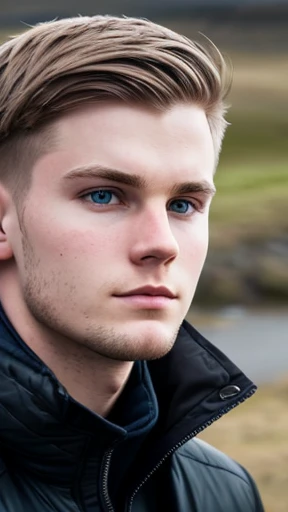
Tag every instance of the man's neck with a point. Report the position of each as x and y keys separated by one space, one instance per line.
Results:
x=91 y=379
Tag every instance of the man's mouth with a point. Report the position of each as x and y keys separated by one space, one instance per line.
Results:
x=148 y=297
x=152 y=291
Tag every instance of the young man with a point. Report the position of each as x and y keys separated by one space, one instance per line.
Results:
x=110 y=133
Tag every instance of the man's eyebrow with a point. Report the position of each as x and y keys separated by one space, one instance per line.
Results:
x=202 y=186
x=136 y=181
x=107 y=173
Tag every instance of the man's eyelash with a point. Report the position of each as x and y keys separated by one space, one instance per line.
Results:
x=198 y=205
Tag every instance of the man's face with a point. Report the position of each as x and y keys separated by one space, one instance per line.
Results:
x=114 y=231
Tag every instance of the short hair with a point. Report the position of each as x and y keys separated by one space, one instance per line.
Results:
x=60 y=65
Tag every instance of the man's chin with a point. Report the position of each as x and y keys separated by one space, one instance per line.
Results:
x=146 y=343
x=154 y=351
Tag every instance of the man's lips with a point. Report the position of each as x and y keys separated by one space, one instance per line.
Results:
x=148 y=297
x=152 y=291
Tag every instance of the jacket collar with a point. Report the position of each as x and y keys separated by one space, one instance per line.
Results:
x=195 y=385
x=195 y=380
x=189 y=383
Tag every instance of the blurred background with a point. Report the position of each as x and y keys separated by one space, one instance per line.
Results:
x=242 y=300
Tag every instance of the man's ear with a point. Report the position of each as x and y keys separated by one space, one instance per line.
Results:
x=6 y=251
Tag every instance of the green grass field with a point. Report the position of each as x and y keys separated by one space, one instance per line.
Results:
x=252 y=178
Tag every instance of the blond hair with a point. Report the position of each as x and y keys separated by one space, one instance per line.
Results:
x=59 y=65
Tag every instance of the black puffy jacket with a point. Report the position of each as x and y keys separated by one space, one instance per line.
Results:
x=56 y=456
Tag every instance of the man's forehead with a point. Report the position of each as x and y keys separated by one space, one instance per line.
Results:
x=145 y=153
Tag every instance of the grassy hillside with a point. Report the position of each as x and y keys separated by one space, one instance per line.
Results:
x=252 y=179
x=247 y=262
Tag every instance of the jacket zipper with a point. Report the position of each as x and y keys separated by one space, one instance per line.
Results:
x=183 y=441
x=106 y=466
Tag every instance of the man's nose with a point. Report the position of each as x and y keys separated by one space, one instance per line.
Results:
x=153 y=239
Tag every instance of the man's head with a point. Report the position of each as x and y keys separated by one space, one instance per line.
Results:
x=82 y=100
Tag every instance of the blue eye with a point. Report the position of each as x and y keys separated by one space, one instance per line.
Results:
x=181 y=206
x=102 y=197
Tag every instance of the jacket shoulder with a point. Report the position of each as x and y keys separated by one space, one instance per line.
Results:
x=204 y=453
x=213 y=481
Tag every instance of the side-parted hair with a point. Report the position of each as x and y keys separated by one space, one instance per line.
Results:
x=58 y=66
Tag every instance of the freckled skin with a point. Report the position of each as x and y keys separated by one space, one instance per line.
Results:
x=74 y=258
